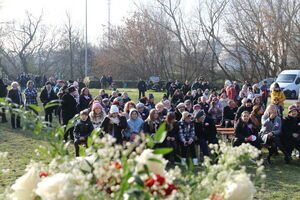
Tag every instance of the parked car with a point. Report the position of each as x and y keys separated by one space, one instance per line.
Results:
x=289 y=83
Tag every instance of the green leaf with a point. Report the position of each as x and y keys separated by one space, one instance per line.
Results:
x=154 y=160
x=161 y=133
x=34 y=107
x=138 y=180
x=162 y=150
x=150 y=142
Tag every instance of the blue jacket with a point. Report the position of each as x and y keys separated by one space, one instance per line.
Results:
x=134 y=126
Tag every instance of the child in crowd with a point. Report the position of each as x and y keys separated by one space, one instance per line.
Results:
x=82 y=131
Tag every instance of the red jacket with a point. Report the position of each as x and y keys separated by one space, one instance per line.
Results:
x=231 y=92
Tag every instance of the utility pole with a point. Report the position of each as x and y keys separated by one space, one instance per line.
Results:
x=86 y=55
x=108 y=20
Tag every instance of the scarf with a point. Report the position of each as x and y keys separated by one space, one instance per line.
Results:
x=115 y=120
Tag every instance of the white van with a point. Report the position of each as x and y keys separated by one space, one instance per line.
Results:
x=289 y=82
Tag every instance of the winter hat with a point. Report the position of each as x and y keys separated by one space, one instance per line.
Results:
x=139 y=105
x=197 y=106
x=291 y=108
x=187 y=102
x=75 y=83
x=200 y=114
x=166 y=102
x=48 y=83
x=96 y=105
x=72 y=89
x=228 y=83
x=151 y=96
x=105 y=100
x=185 y=115
x=276 y=85
x=114 y=109
x=180 y=105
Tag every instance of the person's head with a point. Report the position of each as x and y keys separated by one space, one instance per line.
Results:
x=297 y=104
x=171 y=118
x=180 y=107
x=30 y=84
x=140 y=107
x=248 y=103
x=265 y=83
x=153 y=115
x=159 y=107
x=60 y=82
x=114 y=93
x=177 y=91
x=124 y=95
x=215 y=100
x=189 y=93
x=186 y=116
x=97 y=108
x=257 y=110
x=48 y=85
x=245 y=116
x=151 y=98
x=203 y=99
x=200 y=116
x=227 y=83
x=133 y=114
x=206 y=91
x=231 y=104
x=188 y=104
x=101 y=92
x=276 y=101
x=114 y=111
x=245 y=87
x=128 y=106
x=84 y=115
x=14 y=85
x=72 y=90
x=85 y=91
x=276 y=87
x=167 y=104
x=271 y=109
x=250 y=89
x=293 y=111
x=256 y=100
x=197 y=108
x=186 y=82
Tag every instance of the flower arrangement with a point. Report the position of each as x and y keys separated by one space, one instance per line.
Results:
x=135 y=170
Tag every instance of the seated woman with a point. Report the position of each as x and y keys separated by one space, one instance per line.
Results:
x=271 y=130
x=244 y=131
x=187 y=137
x=255 y=118
x=162 y=112
x=228 y=114
x=134 y=127
x=291 y=130
x=171 y=140
x=215 y=110
x=128 y=106
x=114 y=124
x=152 y=123
x=97 y=115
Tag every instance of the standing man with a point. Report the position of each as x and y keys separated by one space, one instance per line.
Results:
x=31 y=94
x=47 y=96
x=142 y=87
x=15 y=97
x=3 y=93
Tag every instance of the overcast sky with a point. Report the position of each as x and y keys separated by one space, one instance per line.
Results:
x=55 y=12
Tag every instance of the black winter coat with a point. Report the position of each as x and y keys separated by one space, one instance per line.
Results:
x=83 y=102
x=14 y=95
x=243 y=130
x=3 y=89
x=83 y=129
x=289 y=126
x=142 y=86
x=68 y=106
x=45 y=98
x=206 y=130
x=116 y=130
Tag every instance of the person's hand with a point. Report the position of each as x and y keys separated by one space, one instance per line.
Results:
x=190 y=141
x=172 y=138
x=82 y=138
x=272 y=115
x=270 y=134
x=295 y=135
x=168 y=138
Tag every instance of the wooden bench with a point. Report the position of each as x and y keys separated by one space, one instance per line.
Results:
x=226 y=133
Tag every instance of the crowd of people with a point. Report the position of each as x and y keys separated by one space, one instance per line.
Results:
x=191 y=113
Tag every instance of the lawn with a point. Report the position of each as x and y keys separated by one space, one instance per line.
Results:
x=282 y=182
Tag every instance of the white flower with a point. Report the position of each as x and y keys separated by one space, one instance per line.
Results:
x=155 y=163
x=57 y=187
x=239 y=187
x=25 y=185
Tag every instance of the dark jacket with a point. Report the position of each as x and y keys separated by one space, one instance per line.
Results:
x=243 y=130
x=185 y=88
x=150 y=129
x=83 y=129
x=174 y=132
x=68 y=106
x=15 y=96
x=289 y=126
x=206 y=130
x=242 y=109
x=186 y=131
x=178 y=115
x=177 y=98
x=144 y=115
x=205 y=107
x=228 y=114
x=83 y=102
x=45 y=98
x=3 y=89
x=142 y=86
x=115 y=130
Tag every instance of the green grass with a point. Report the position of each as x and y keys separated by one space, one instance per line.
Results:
x=282 y=182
